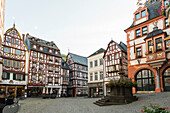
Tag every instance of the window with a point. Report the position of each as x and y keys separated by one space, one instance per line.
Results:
x=38 y=47
x=109 y=58
x=91 y=76
x=50 y=79
x=139 y=53
x=78 y=74
x=138 y=33
x=101 y=75
x=78 y=67
x=137 y=16
x=13 y=40
x=110 y=47
x=91 y=64
x=116 y=56
x=166 y=2
x=95 y=63
x=5 y=62
x=144 y=31
x=166 y=23
x=50 y=68
x=5 y=76
x=9 y=63
x=16 y=42
x=56 y=69
x=18 y=77
x=96 y=76
x=41 y=56
x=51 y=58
x=159 y=44
x=34 y=54
x=167 y=44
x=14 y=64
x=56 y=60
x=6 y=50
x=101 y=61
x=18 y=64
x=143 y=13
x=17 y=52
x=113 y=47
x=9 y=40
x=33 y=77
x=150 y=46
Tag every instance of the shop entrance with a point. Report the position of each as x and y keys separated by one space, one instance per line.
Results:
x=166 y=79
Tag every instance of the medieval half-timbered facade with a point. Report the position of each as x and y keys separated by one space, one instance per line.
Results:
x=14 y=74
x=148 y=46
x=115 y=61
x=64 y=78
x=44 y=67
x=78 y=75
x=95 y=73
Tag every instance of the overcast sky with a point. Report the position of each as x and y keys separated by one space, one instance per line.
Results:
x=82 y=26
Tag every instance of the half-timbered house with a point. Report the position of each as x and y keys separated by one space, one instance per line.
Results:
x=148 y=46
x=44 y=67
x=78 y=75
x=64 y=78
x=115 y=61
x=15 y=58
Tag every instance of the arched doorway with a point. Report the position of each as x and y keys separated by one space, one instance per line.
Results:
x=166 y=79
x=145 y=80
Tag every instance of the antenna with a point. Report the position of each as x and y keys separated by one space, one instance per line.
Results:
x=13 y=21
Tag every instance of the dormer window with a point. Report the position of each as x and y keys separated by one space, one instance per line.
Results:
x=137 y=16
x=143 y=13
x=56 y=52
x=138 y=33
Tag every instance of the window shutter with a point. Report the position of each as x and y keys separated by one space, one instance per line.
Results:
x=14 y=76
x=8 y=76
x=24 y=77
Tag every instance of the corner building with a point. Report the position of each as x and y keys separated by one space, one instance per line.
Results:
x=148 y=47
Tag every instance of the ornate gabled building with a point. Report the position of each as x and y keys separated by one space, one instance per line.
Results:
x=115 y=61
x=78 y=75
x=64 y=78
x=44 y=67
x=148 y=46
x=95 y=73
x=15 y=59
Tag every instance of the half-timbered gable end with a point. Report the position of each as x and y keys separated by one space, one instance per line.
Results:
x=14 y=54
x=44 y=66
x=78 y=74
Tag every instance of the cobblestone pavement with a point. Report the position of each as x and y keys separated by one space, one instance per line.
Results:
x=85 y=105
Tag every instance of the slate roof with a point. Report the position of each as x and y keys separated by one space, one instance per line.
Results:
x=101 y=50
x=78 y=59
x=45 y=44
x=153 y=11
x=155 y=32
x=64 y=65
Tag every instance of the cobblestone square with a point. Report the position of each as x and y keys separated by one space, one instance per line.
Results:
x=85 y=105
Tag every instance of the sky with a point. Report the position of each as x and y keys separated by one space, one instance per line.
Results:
x=78 y=26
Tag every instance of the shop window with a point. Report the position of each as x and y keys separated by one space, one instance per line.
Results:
x=145 y=80
x=144 y=31
x=139 y=53
x=143 y=13
x=150 y=46
x=137 y=16
x=138 y=34
x=159 y=44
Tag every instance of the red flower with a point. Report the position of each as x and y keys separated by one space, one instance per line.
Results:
x=142 y=111
x=166 y=107
x=154 y=106
x=166 y=3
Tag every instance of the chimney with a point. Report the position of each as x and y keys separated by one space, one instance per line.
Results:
x=23 y=36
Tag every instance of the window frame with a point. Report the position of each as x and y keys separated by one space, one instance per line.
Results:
x=143 y=31
x=138 y=33
x=142 y=13
x=157 y=43
x=139 y=56
x=137 y=15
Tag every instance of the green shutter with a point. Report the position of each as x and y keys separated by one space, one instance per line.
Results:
x=8 y=76
x=14 y=76
x=24 y=77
